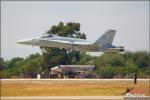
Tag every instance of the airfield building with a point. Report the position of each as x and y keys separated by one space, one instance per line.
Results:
x=72 y=71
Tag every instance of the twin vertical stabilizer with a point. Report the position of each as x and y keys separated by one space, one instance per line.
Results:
x=106 y=39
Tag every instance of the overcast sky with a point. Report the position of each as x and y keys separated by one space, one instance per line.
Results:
x=25 y=19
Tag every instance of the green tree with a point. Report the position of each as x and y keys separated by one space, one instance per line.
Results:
x=13 y=62
x=11 y=68
x=56 y=56
x=147 y=71
x=112 y=59
x=31 y=66
x=141 y=58
x=86 y=59
x=106 y=72
x=2 y=64
x=142 y=62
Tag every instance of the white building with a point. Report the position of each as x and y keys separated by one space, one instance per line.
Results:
x=72 y=71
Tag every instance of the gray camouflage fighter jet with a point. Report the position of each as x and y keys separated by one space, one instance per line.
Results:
x=102 y=44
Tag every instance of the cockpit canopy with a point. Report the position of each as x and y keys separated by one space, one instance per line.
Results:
x=47 y=35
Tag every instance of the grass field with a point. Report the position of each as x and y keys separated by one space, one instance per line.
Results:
x=69 y=89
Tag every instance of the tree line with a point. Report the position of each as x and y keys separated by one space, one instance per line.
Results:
x=108 y=65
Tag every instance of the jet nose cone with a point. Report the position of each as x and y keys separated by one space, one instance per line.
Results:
x=19 y=41
x=23 y=41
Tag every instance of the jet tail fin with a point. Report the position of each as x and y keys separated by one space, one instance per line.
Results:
x=106 y=39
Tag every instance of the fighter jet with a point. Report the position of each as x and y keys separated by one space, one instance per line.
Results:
x=102 y=44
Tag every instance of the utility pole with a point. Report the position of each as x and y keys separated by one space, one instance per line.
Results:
x=135 y=78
